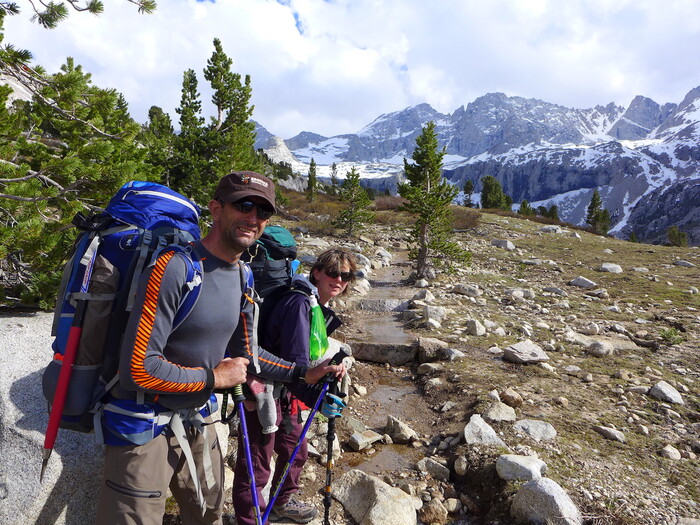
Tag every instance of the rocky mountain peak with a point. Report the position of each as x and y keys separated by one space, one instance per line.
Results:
x=543 y=152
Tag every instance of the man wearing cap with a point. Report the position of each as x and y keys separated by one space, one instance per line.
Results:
x=176 y=370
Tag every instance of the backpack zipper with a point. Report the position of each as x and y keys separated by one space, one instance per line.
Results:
x=166 y=196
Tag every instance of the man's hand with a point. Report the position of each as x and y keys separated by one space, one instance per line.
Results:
x=230 y=372
x=317 y=373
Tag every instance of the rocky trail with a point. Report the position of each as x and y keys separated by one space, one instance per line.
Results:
x=555 y=378
x=518 y=376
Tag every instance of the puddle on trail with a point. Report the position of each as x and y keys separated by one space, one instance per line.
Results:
x=383 y=327
x=392 y=400
x=388 y=458
x=393 y=395
x=390 y=276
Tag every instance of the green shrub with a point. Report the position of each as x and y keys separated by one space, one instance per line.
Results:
x=671 y=336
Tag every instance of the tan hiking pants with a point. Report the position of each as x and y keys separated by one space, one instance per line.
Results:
x=136 y=479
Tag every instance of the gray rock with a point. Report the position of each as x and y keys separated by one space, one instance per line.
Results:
x=434 y=512
x=435 y=469
x=555 y=291
x=522 y=468
x=551 y=228
x=498 y=412
x=544 y=501
x=610 y=433
x=351 y=425
x=582 y=282
x=383 y=305
x=611 y=268
x=619 y=344
x=665 y=392
x=506 y=245
x=395 y=354
x=68 y=493
x=670 y=452
x=399 y=431
x=461 y=466
x=537 y=430
x=600 y=348
x=525 y=352
x=363 y=440
x=470 y=290
x=474 y=327
x=438 y=313
x=424 y=295
x=430 y=349
x=450 y=354
x=370 y=501
x=681 y=262
x=478 y=431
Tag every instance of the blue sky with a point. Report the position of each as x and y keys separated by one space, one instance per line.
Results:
x=333 y=66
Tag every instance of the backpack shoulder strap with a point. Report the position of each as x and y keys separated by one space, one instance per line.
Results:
x=248 y=295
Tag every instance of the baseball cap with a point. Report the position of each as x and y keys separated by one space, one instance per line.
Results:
x=240 y=184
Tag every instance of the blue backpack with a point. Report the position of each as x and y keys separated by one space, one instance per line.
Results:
x=142 y=221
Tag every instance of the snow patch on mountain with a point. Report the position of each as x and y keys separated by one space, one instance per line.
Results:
x=542 y=152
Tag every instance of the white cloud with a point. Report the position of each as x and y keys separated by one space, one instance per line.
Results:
x=333 y=66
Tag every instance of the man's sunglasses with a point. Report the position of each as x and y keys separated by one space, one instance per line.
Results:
x=346 y=277
x=248 y=206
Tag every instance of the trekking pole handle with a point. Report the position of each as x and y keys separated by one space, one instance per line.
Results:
x=336 y=360
x=238 y=393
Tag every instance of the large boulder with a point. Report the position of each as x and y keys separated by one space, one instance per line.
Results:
x=370 y=501
x=544 y=501
x=68 y=493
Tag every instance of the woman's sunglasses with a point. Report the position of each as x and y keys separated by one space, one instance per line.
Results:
x=248 y=206
x=346 y=277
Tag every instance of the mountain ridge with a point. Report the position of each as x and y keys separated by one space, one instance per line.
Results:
x=541 y=152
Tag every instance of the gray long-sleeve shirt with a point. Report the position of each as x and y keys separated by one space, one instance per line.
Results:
x=176 y=365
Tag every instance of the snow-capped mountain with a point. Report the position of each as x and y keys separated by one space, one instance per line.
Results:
x=644 y=159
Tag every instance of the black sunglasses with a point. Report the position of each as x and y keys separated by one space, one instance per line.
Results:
x=346 y=277
x=248 y=206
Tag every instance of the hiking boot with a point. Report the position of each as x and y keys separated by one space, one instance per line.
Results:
x=293 y=510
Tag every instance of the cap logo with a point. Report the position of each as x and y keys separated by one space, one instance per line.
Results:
x=245 y=179
x=258 y=181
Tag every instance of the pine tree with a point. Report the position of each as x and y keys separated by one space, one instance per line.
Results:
x=676 y=237
x=312 y=188
x=553 y=212
x=429 y=197
x=633 y=237
x=468 y=193
x=334 y=179
x=235 y=148
x=222 y=80
x=594 y=208
x=526 y=209
x=158 y=138
x=492 y=195
x=357 y=214
x=597 y=217
x=204 y=153
x=55 y=12
x=190 y=160
x=66 y=151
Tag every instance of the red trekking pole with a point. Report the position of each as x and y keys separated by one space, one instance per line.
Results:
x=69 y=355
